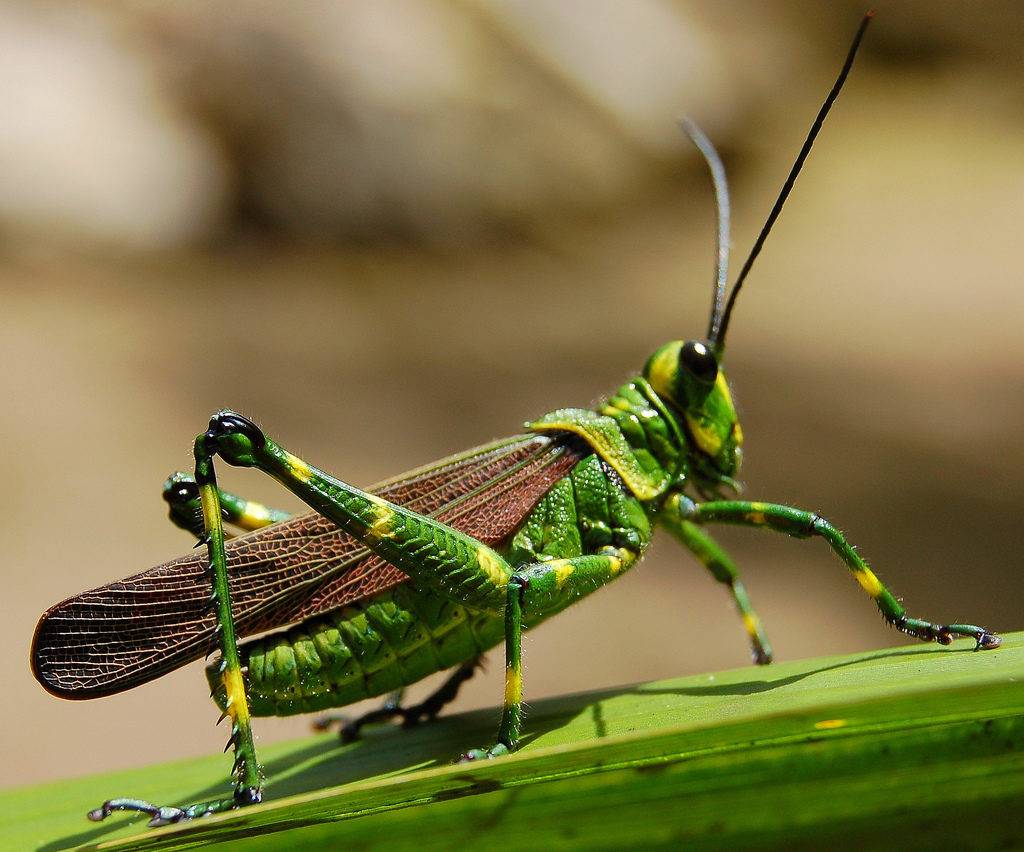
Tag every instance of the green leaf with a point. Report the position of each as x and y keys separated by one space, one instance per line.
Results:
x=903 y=748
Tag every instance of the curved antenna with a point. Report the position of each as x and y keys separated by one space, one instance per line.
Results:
x=717 y=337
x=721 y=186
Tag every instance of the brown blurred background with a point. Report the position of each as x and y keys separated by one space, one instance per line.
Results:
x=391 y=231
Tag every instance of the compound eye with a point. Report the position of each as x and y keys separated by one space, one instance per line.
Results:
x=699 y=361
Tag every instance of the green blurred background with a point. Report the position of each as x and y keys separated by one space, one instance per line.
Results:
x=390 y=231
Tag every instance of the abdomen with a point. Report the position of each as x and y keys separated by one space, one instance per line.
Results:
x=390 y=640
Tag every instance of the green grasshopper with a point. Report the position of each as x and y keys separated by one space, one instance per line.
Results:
x=427 y=571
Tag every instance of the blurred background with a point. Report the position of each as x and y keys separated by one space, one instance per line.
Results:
x=389 y=231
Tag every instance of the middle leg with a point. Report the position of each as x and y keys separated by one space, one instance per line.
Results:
x=723 y=569
x=426 y=711
x=533 y=593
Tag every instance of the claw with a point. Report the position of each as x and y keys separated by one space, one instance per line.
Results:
x=945 y=634
x=158 y=815
x=165 y=816
x=101 y=813
x=349 y=733
x=987 y=641
x=496 y=750
x=411 y=719
x=324 y=723
x=348 y=729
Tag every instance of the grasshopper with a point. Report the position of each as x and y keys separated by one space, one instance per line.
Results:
x=375 y=590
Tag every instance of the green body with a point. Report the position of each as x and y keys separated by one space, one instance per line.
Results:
x=388 y=642
x=402 y=635
x=659 y=438
x=660 y=450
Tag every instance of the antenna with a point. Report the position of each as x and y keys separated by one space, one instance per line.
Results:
x=717 y=335
x=721 y=186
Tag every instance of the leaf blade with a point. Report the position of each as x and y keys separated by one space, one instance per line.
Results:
x=743 y=748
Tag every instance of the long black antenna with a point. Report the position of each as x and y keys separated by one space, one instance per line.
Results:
x=717 y=335
x=721 y=186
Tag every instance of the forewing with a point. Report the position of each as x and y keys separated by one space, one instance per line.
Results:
x=126 y=633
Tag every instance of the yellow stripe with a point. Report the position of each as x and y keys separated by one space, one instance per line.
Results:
x=211 y=506
x=256 y=514
x=381 y=526
x=709 y=441
x=614 y=450
x=829 y=724
x=492 y=565
x=751 y=623
x=563 y=570
x=237 y=706
x=756 y=514
x=300 y=470
x=664 y=366
x=869 y=582
x=513 y=686
x=723 y=387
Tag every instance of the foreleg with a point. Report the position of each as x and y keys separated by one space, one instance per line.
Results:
x=802 y=524
x=181 y=494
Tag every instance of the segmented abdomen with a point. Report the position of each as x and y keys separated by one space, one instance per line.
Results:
x=390 y=640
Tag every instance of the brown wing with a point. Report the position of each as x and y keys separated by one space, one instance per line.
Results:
x=127 y=633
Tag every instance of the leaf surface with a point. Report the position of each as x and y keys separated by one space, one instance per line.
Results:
x=909 y=747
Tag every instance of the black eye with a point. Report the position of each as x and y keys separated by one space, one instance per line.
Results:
x=699 y=361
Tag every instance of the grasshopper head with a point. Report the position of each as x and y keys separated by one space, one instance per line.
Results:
x=686 y=375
